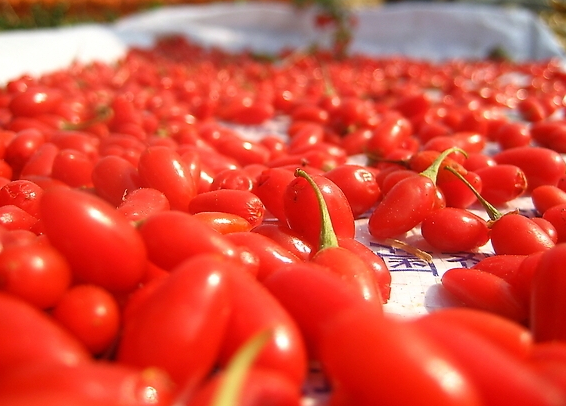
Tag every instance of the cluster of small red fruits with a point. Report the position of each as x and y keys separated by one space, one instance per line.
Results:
x=145 y=242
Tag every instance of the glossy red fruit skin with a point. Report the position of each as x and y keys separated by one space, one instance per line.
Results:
x=241 y=202
x=113 y=177
x=180 y=326
x=236 y=178
x=359 y=184
x=287 y=238
x=101 y=246
x=35 y=101
x=453 y=229
x=224 y=223
x=139 y=204
x=22 y=193
x=556 y=215
x=485 y=291
x=547 y=298
x=516 y=234
x=541 y=166
x=382 y=274
x=92 y=314
x=35 y=272
x=73 y=168
x=339 y=330
x=502 y=183
x=74 y=384
x=457 y=193
x=508 y=335
x=51 y=343
x=546 y=196
x=270 y=188
x=506 y=377
x=163 y=169
x=22 y=147
x=388 y=135
x=285 y=352
x=404 y=207
x=303 y=214
x=172 y=237
x=271 y=254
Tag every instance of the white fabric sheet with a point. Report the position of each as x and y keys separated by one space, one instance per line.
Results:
x=426 y=30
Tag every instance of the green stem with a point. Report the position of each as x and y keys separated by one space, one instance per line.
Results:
x=235 y=373
x=328 y=237
x=432 y=171
x=329 y=89
x=491 y=211
x=103 y=114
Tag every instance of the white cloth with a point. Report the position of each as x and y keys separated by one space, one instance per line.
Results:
x=426 y=30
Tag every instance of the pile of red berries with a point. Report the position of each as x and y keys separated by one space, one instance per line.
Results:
x=145 y=240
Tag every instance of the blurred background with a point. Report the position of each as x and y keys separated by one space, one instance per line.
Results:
x=29 y=14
